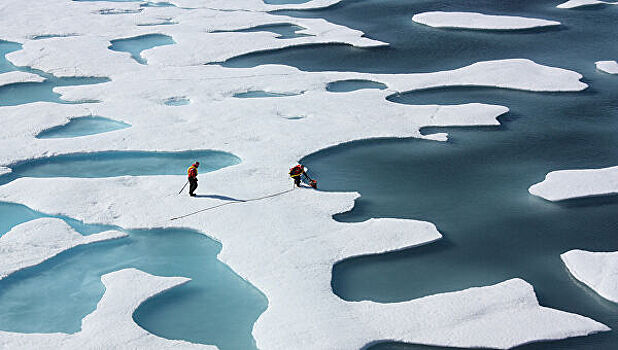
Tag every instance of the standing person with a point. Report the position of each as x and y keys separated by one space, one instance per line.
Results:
x=192 y=174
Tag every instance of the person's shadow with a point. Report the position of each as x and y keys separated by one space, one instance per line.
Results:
x=216 y=196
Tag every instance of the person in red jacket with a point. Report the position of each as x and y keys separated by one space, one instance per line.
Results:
x=192 y=174
x=297 y=172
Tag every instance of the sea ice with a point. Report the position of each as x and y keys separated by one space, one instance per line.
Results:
x=568 y=184
x=291 y=238
x=597 y=270
x=35 y=241
x=580 y=3
x=4 y=170
x=473 y=20
x=610 y=67
x=16 y=77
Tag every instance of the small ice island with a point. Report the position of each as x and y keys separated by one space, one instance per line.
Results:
x=569 y=184
x=610 y=67
x=598 y=270
x=479 y=21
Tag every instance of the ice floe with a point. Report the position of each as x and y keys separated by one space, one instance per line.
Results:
x=580 y=3
x=568 y=184
x=597 y=270
x=473 y=20
x=610 y=67
x=19 y=77
x=35 y=241
x=111 y=325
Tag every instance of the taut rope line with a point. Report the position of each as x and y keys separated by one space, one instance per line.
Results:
x=234 y=202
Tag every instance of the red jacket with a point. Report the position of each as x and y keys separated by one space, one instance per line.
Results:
x=192 y=171
x=297 y=171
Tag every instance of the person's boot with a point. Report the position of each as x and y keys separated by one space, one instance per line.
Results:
x=192 y=194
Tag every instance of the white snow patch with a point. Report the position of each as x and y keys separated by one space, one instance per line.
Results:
x=35 y=241
x=5 y=170
x=597 y=270
x=473 y=20
x=111 y=325
x=610 y=67
x=19 y=77
x=580 y=3
x=568 y=184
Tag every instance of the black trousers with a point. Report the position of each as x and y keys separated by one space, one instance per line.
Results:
x=192 y=185
x=297 y=180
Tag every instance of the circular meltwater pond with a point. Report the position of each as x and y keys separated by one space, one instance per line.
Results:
x=216 y=307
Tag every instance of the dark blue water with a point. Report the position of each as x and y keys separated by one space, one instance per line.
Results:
x=120 y=163
x=22 y=93
x=82 y=126
x=283 y=30
x=137 y=44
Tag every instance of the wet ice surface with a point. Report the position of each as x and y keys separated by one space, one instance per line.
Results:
x=83 y=126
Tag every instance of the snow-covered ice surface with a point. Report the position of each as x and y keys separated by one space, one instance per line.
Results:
x=610 y=67
x=4 y=170
x=19 y=77
x=568 y=184
x=472 y=20
x=37 y=240
x=292 y=255
x=111 y=325
x=581 y=3
x=597 y=270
